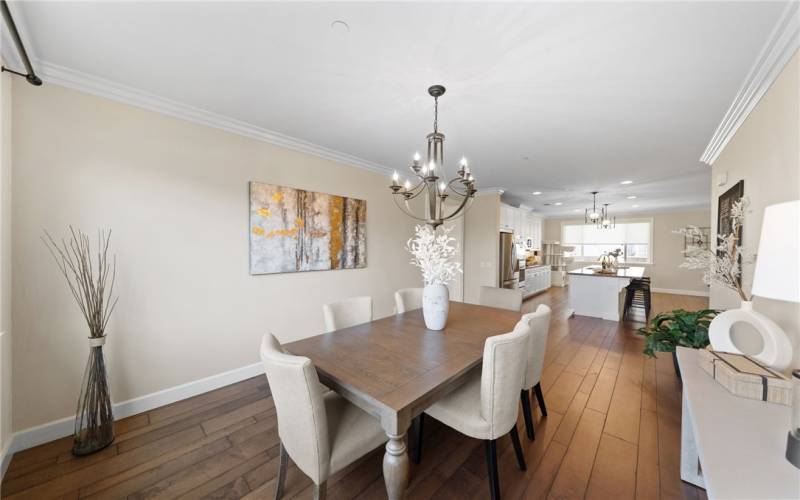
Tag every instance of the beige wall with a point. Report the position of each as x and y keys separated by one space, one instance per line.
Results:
x=664 y=272
x=5 y=261
x=176 y=196
x=481 y=245
x=765 y=152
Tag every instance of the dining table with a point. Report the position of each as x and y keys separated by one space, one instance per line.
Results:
x=394 y=368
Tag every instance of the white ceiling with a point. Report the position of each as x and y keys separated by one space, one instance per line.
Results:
x=563 y=98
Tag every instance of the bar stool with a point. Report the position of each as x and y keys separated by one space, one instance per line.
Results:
x=638 y=295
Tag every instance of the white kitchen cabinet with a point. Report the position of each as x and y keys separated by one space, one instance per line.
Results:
x=537 y=279
x=507 y=217
x=523 y=223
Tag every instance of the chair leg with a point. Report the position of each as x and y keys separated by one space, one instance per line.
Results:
x=321 y=491
x=283 y=463
x=491 y=463
x=540 y=397
x=525 y=397
x=416 y=452
x=518 y=448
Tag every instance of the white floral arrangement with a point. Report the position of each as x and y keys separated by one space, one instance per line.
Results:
x=723 y=265
x=433 y=254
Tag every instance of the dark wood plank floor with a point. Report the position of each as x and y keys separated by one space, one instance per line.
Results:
x=613 y=431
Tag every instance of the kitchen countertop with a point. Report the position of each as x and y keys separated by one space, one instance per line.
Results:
x=630 y=272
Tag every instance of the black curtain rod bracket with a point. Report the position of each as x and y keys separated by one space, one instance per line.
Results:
x=23 y=54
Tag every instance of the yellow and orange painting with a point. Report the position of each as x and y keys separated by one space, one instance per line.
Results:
x=295 y=230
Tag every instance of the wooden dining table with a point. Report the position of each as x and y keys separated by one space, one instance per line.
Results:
x=394 y=368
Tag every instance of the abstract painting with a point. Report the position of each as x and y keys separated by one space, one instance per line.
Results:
x=295 y=230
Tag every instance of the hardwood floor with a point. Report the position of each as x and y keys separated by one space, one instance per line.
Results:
x=612 y=431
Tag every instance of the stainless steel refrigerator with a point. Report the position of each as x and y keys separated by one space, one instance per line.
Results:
x=509 y=264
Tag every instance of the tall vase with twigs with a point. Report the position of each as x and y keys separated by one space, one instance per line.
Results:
x=90 y=277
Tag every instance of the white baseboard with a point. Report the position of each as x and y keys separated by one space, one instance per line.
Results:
x=676 y=291
x=5 y=459
x=57 y=429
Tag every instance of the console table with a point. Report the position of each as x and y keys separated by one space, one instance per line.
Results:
x=731 y=446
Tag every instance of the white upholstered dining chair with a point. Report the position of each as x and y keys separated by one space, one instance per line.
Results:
x=346 y=313
x=502 y=298
x=486 y=406
x=321 y=431
x=407 y=299
x=539 y=322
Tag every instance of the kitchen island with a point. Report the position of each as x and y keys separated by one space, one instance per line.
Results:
x=600 y=295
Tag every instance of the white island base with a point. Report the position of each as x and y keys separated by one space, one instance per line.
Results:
x=600 y=295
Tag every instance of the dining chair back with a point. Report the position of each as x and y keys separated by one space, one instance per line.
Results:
x=346 y=313
x=539 y=323
x=504 y=363
x=298 y=397
x=407 y=299
x=502 y=298
x=485 y=407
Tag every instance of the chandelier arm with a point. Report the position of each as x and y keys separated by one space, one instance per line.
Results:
x=407 y=210
x=458 y=193
x=458 y=210
x=409 y=197
x=453 y=189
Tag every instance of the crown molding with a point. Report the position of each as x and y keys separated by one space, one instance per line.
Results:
x=490 y=190
x=782 y=43
x=70 y=78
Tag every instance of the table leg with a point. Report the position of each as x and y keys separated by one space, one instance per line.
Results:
x=395 y=466
x=690 y=459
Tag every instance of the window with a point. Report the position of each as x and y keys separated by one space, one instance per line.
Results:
x=633 y=237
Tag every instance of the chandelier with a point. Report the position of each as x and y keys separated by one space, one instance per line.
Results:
x=430 y=179
x=600 y=218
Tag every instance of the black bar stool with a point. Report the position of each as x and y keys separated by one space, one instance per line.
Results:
x=638 y=295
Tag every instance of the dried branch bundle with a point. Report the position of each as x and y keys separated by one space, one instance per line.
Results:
x=433 y=254
x=91 y=281
x=722 y=266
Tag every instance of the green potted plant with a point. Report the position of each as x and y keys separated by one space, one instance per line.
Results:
x=671 y=329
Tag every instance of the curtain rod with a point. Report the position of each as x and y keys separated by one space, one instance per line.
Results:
x=23 y=54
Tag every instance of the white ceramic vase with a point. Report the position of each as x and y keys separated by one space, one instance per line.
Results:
x=435 y=306
x=778 y=349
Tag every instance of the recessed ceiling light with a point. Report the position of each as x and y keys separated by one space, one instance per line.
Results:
x=635 y=206
x=632 y=197
x=626 y=182
x=537 y=193
x=558 y=203
x=340 y=26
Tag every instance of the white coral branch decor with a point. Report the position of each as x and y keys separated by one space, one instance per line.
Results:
x=433 y=253
x=723 y=266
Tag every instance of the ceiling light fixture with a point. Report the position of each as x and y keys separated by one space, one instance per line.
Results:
x=626 y=182
x=462 y=186
x=631 y=197
x=599 y=217
x=537 y=193
x=558 y=203
x=607 y=222
x=592 y=216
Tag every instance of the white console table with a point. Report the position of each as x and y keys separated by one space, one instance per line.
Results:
x=733 y=447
